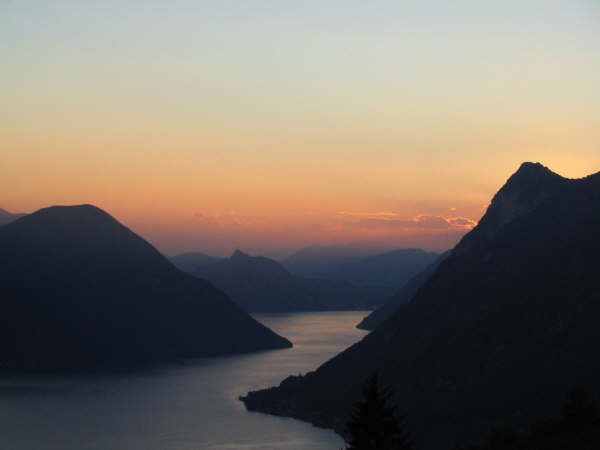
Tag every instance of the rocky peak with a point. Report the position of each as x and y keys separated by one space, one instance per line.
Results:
x=239 y=255
x=525 y=190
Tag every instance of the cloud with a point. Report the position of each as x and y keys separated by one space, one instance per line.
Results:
x=430 y=221
x=225 y=219
x=434 y=221
x=462 y=222
x=380 y=215
x=391 y=222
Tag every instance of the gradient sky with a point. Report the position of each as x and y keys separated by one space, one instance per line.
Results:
x=270 y=125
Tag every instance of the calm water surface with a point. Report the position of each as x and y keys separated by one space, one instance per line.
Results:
x=193 y=406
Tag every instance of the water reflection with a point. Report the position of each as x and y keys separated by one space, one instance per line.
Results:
x=186 y=406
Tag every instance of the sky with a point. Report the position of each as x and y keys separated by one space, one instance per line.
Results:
x=273 y=125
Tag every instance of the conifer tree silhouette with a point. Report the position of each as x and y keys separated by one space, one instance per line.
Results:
x=374 y=424
x=578 y=409
x=577 y=428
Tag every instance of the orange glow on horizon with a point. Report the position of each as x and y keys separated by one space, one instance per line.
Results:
x=208 y=126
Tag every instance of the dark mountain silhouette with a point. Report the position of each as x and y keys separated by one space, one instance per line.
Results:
x=192 y=261
x=497 y=335
x=81 y=291
x=401 y=297
x=393 y=268
x=260 y=284
x=7 y=217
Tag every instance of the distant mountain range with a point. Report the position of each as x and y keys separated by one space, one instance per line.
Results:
x=401 y=297
x=497 y=335
x=341 y=295
x=257 y=284
x=260 y=284
x=192 y=261
x=7 y=217
x=78 y=290
x=317 y=260
x=392 y=268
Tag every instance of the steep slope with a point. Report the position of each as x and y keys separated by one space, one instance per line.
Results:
x=401 y=297
x=79 y=290
x=504 y=327
x=7 y=217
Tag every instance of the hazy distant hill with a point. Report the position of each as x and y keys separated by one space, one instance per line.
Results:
x=260 y=284
x=401 y=297
x=341 y=295
x=498 y=334
x=190 y=262
x=6 y=217
x=257 y=284
x=79 y=290
x=392 y=268
x=317 y=261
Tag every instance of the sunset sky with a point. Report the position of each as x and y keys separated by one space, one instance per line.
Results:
x=272 y=125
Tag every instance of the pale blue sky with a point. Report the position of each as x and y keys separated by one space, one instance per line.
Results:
x=265 y=107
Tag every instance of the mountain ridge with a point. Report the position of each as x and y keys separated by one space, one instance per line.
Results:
x=8 y=217
x=261 y=284
x=392 y=268
x=455 y=365
x=82 y=291
x=190 y=261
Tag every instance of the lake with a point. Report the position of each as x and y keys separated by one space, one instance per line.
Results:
x=189 y=406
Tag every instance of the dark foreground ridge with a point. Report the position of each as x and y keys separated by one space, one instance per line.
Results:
x=78 y=290
x=497 y=335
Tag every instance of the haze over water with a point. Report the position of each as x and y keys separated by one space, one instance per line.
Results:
x=193 y=406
